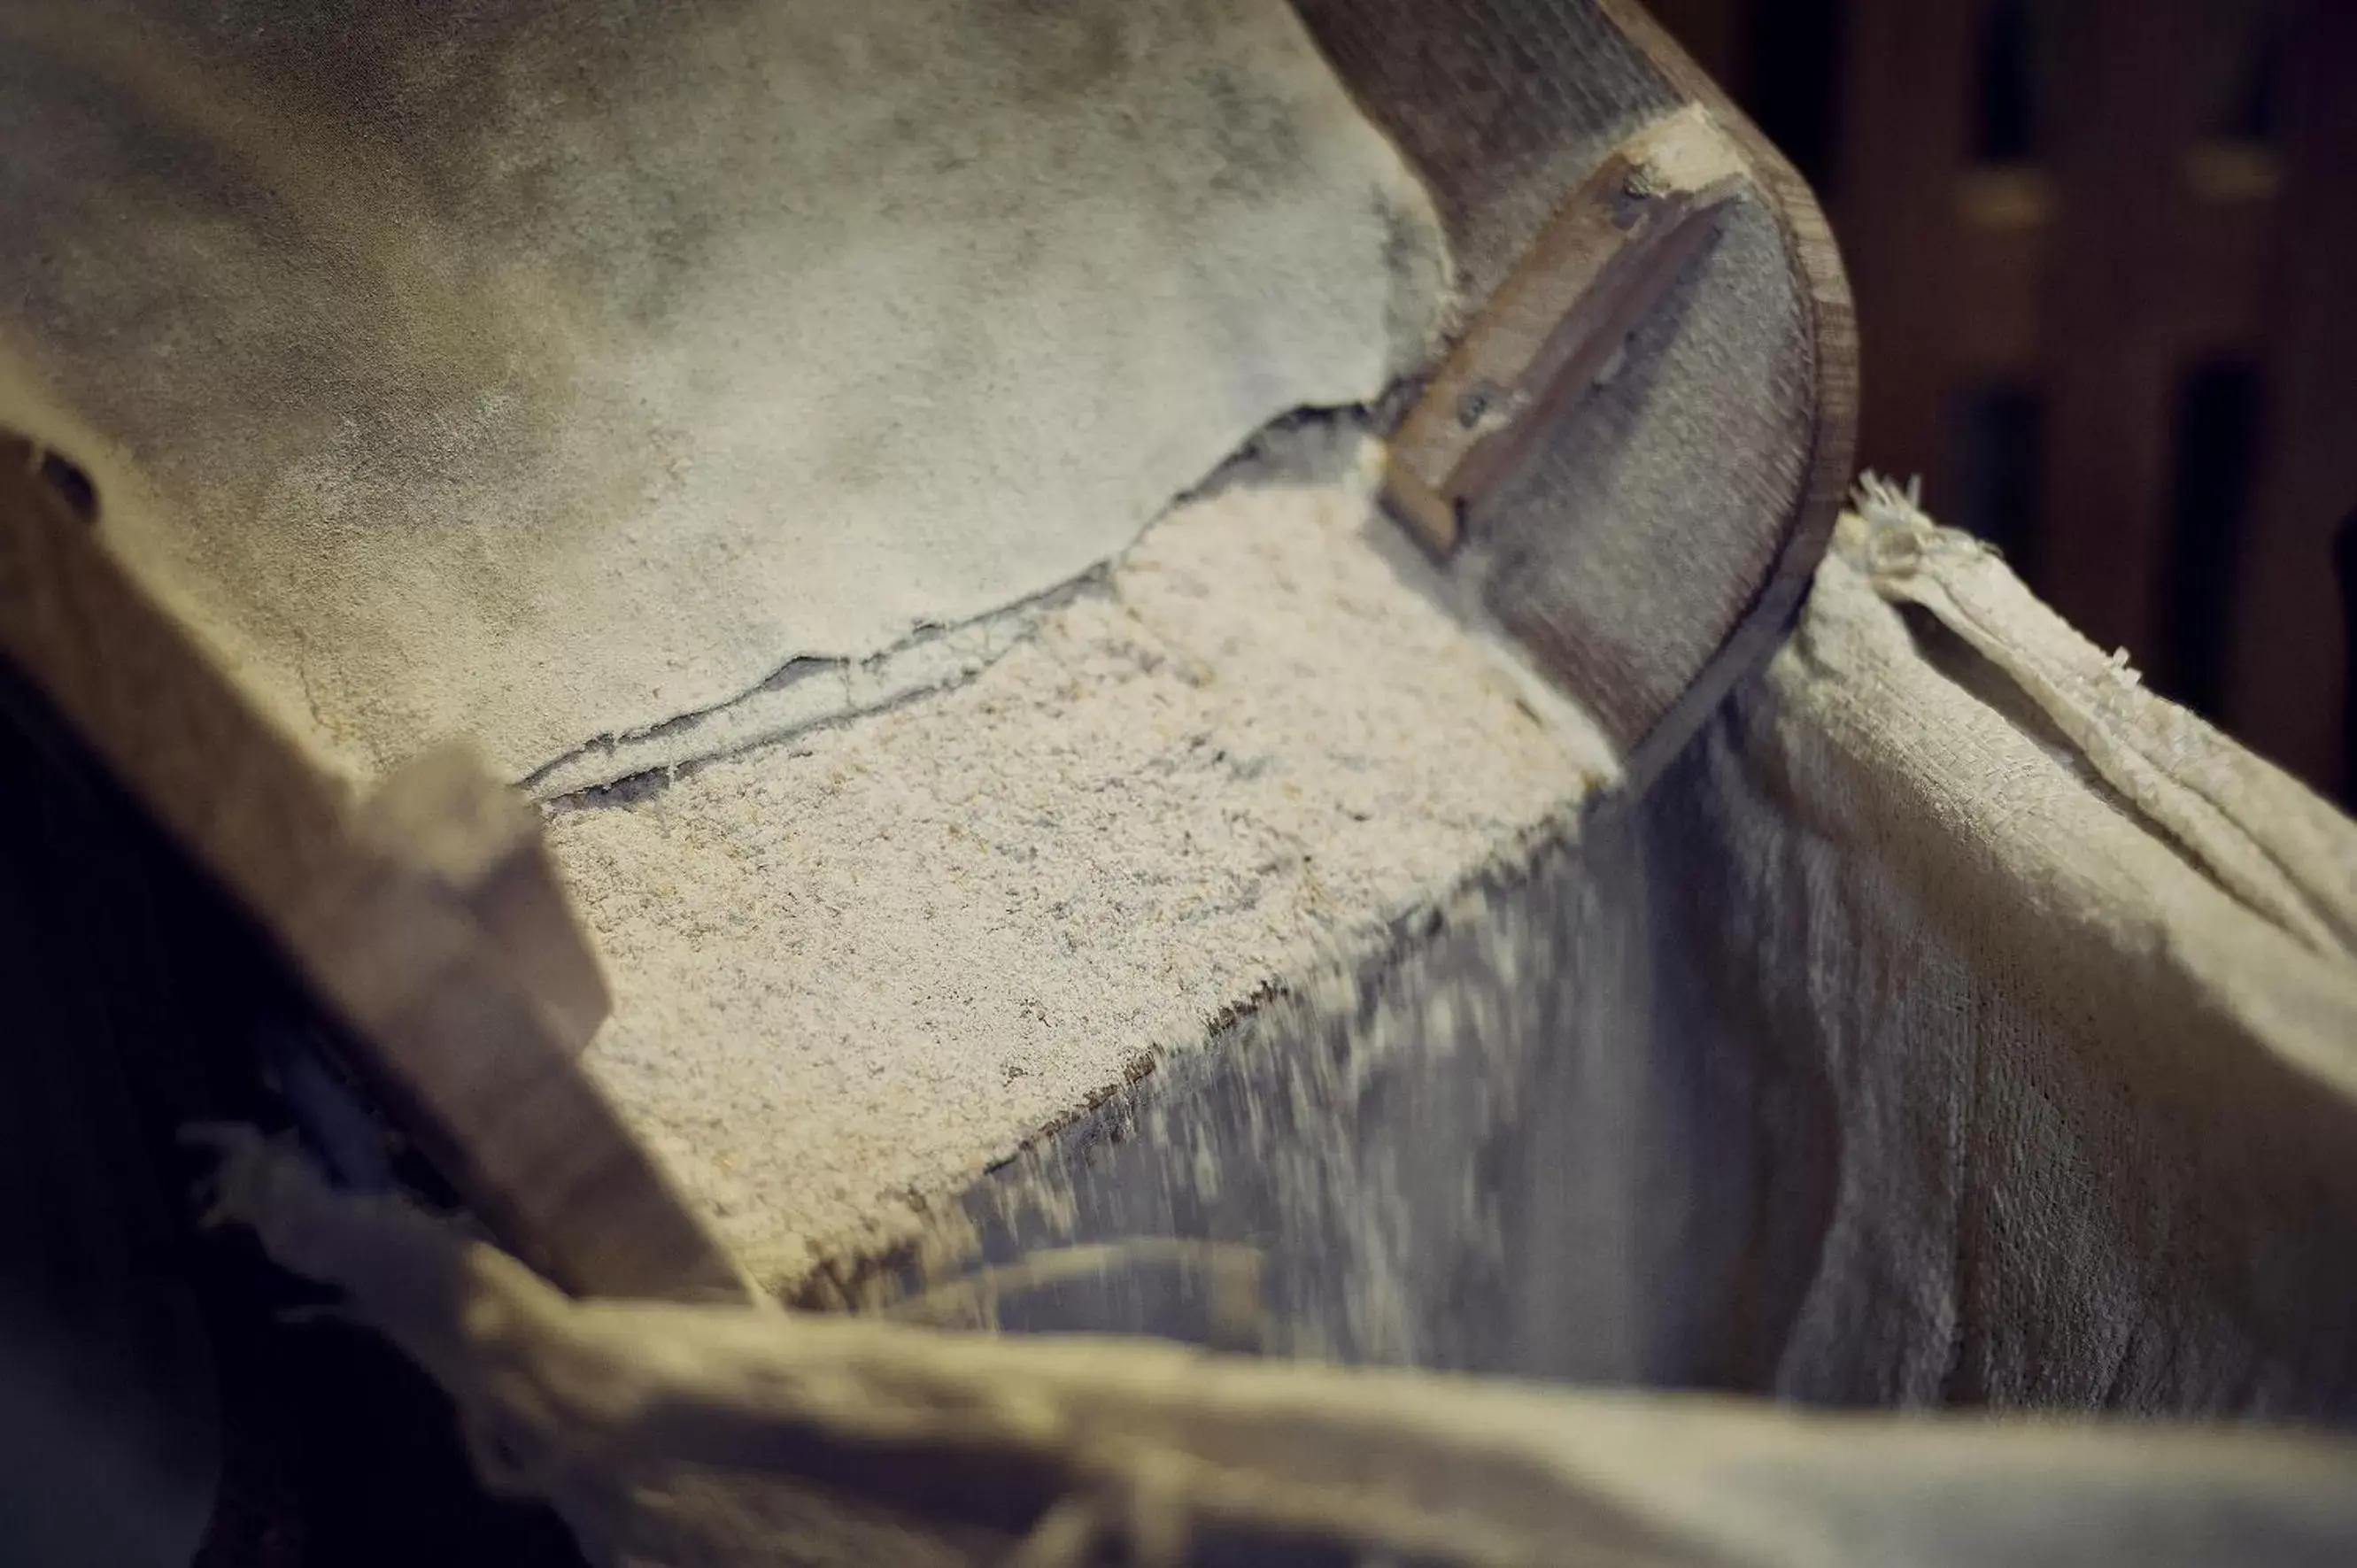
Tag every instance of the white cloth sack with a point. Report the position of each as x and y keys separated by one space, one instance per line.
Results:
x=2070 y=977
x=2076 y=973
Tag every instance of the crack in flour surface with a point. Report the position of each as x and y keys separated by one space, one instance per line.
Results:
x=538 y=373
x=855 y=968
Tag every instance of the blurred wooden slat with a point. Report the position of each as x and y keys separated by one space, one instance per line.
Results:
x=2005 y=233
x=2226 y=268
x=400 y=915
x=2004 y=222
x=1905 y=135
x=2285 y=667
x=2142 y=249
x=2121 y=134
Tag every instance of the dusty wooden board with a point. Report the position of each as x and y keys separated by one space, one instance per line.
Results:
x=1899 y=198
x=426 y=920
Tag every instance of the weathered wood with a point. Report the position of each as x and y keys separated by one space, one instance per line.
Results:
x=444 y=812
x=2285 y=667
x=1820 y=401
x=1553 y=328
x=426 y=922
x=2123 y=132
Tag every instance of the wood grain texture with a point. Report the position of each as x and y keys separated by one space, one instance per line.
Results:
x=1817 y=396
x=1607 y=258
x=426 y=921
x=1657 y=549
x=1502 y=110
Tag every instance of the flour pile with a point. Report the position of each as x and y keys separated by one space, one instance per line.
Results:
x=543 y=372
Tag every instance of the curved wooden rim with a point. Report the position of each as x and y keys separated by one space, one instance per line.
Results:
x=1825 y=282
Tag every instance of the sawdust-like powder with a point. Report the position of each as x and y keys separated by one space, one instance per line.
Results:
x=858 y=966
x=546 y=375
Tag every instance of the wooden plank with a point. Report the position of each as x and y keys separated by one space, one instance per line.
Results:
x=2123 y=132
x=2226 y=269
x=1609 y=254
x=387 y=912
x=444 y=813
x=1905 y=143
x=2285 y=656
x=2004 y=232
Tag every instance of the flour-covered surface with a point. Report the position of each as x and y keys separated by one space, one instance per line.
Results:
x=857 y=967
x=543 y=372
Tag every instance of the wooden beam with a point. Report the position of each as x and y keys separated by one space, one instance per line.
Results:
x=2284 y=660
x=2123 y=134
x=1907 y=101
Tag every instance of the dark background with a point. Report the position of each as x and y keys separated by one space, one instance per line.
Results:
x=2106 y=260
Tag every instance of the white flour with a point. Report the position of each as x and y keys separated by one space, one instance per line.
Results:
x=857 y=967
x=543 y=373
